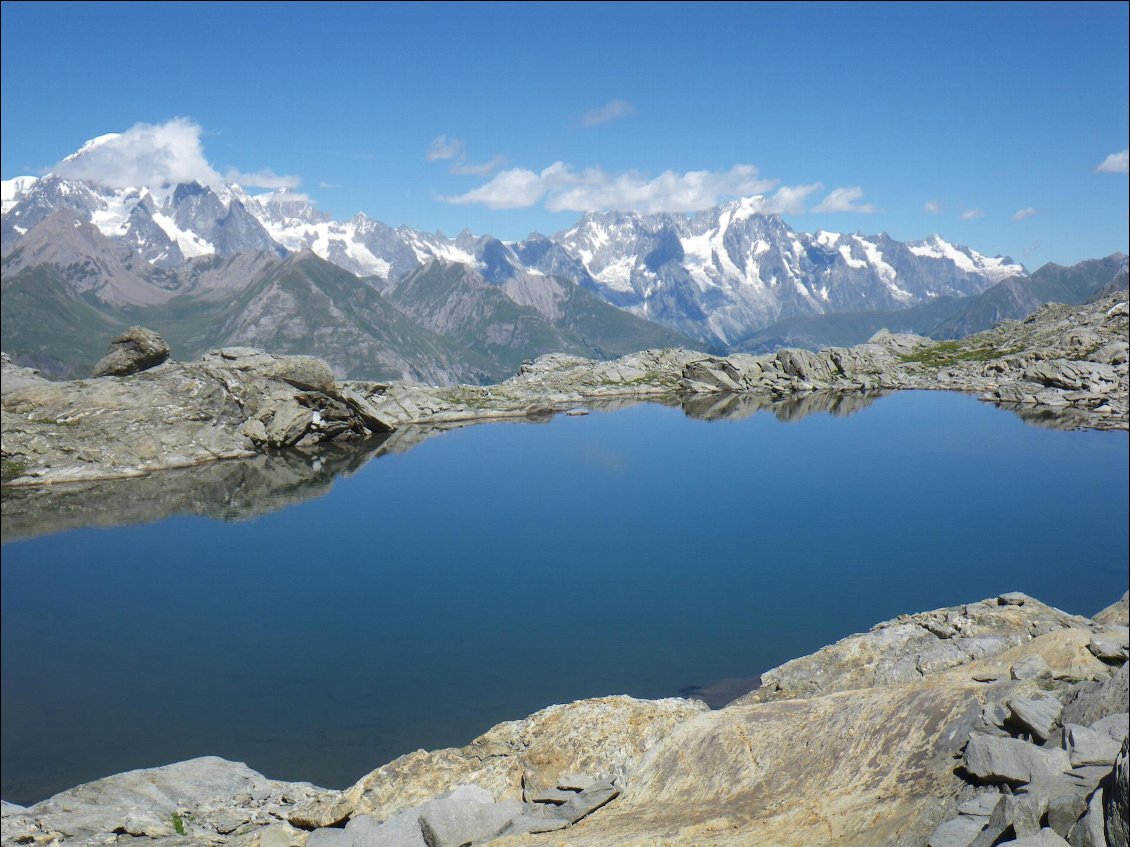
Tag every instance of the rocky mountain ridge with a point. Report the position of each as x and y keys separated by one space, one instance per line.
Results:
x=717 y=276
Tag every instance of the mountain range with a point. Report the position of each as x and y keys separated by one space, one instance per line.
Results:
x=214 y=265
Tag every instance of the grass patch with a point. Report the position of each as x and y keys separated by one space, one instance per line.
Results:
x=178 y=824
x=950 y=352
x=10 y=469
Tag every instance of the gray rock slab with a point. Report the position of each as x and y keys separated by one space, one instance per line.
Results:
x=466 y=814
x=1036 y=715
x=575 y=781
x=587 y=802
x=1117 y=726
x=961 y=831
x=1064 y=811
x=982 y=804
x=1112 y=645
x=1090 y=830
x=1031 y=667
x=1116 y=802
x=1086 y=746
x=556 y=796
x=1012 y=761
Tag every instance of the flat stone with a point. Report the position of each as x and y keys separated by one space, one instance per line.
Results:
x=1031 y=667
x=957 y=832
x=1112 y=645
x=586 y=802
x=1090 y=831
x=556 y=796
x=982 y=804
x=1037 y=715
x=1013 y=598
x=575 y=781
x=1117 y=726
x=320 y=812
x=1087 y=746
x=467 y=814
x=1011 y=760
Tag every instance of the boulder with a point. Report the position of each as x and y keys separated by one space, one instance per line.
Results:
x=1036 y=715
x=1112 y=645
x=1086 y=746
x=136 y=349
x=1012 y=761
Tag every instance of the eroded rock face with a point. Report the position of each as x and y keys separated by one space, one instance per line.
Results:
x=230 y=404
x=596 y=739
x=136 y=349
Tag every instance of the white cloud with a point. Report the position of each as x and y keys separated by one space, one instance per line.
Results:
x=1115 y=163
x=145 y=154
x=443 y=148
x=513 y=189
x=324 y=184
x=564 y=189
x=971 y=214
x=843 y=200
x=154 y=155
x=790 y=199
x=610 y=111
x=464 y=168
x=265 y=178
x=931 y=207
x=1021 y=214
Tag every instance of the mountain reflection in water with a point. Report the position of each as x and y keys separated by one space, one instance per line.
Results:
x=246 y=488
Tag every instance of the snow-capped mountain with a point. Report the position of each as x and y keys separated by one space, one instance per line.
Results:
x=718 y=275
x=728 y=271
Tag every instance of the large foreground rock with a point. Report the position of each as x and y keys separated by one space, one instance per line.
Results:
x=136 y=349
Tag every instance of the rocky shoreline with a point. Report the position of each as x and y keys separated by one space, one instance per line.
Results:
x=997 y=722
x=1069 y=361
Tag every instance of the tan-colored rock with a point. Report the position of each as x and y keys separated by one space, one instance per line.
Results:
x=605 y=737
x=1117 y=613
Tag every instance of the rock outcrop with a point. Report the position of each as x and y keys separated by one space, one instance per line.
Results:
x=237 y=401
x=136 y=349
x=998 y=726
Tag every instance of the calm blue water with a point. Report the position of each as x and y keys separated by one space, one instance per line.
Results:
x=496 y=569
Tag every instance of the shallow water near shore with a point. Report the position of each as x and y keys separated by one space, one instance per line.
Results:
x=489 y=571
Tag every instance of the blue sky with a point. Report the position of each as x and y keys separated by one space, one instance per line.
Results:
x=988 y=124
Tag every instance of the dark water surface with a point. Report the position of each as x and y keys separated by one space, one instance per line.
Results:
x=493 y=570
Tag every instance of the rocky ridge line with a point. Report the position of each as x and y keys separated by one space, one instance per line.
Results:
x=235 y=402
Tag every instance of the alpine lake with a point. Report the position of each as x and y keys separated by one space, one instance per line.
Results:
x=317 y=614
